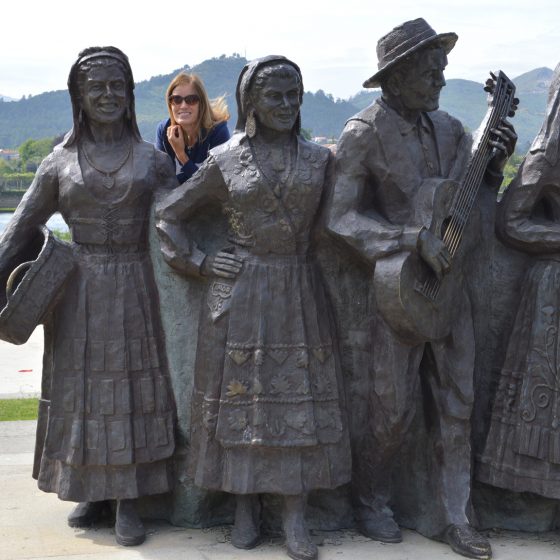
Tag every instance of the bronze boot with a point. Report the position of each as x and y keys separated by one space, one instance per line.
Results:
x=129 y=529
x=379 y=525
x=87 y=514
x=246 y=529
x=298 y=542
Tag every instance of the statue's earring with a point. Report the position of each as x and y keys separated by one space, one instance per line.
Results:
x=128 y=113
x=80 y=117
x=251 y=124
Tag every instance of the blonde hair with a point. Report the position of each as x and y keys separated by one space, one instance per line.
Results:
x=210 y=112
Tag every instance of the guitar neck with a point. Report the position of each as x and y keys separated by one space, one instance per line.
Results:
x=499 y=106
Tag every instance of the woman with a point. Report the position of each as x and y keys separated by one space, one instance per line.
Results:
x=267 y=408
x=522 y=451
x=110 y=432
x=195 y=124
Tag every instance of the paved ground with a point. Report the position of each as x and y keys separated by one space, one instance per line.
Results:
x=20 y=367
x=33 y=526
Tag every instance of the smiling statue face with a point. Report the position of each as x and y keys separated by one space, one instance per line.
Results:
x=421 y=84
x=104 y=96
x=277 y=103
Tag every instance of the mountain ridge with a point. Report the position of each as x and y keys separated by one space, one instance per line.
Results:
x=49 y=114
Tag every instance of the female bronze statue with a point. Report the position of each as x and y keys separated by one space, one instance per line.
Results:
x=110 y=432
x=267 y=409
x=522 y=451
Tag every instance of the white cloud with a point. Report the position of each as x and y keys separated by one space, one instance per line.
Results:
x=333 y=41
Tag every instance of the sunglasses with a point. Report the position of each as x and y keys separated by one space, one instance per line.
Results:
x=192 y=99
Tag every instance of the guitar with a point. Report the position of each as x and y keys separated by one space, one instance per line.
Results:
x=414 y=303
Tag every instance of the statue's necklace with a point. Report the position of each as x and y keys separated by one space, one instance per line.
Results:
x=282 y=166
x=108 y=179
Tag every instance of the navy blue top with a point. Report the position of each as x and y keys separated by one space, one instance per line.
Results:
x=197 y=154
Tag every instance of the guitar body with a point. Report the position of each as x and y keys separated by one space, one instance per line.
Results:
x=398 y=278
x=412 y=301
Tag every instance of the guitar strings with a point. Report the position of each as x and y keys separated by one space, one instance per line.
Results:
x=464 y=202
x=467 y=197
x=467 y=194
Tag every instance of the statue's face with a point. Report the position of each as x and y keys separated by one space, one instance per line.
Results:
x=277 y=103
x=421 y=85
x=103 y=94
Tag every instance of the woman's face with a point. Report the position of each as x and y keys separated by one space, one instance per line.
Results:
x=277 y=103
x=103 y=94
x=185 y=112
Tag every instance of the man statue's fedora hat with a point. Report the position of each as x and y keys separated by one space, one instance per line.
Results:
x=403 y=41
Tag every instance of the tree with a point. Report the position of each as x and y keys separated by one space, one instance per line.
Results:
x=511 y=168
x=4 y=167
x=32 y=152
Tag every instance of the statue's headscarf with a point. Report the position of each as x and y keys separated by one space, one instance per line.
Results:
x=548 y=139
x=245 y=80
x=75 y=96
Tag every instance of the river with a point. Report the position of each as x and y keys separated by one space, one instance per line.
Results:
x=56 y=221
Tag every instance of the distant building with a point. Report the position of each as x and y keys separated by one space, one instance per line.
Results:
x=9 y=154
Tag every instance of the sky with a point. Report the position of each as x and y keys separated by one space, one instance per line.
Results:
x=332 y=41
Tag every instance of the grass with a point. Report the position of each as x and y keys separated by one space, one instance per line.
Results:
x=18 y=409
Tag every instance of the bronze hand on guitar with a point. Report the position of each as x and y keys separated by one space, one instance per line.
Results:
x=414 y=292
x=434 y=252
x=503 y=144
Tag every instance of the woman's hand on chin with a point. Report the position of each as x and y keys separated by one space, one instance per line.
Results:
x=177 y=141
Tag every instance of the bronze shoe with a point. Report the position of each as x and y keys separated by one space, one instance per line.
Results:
x=379 y=526
x=301 y=549
x=129 y=529
x=298 y=542
x=465 y=540
x=245 y=538
x=87 y=514
x=246 y=528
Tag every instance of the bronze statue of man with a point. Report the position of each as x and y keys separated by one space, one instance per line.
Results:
x=384 y=155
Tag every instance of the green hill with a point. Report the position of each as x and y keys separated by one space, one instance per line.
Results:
x=49 y=114
x=40 y=116
x=535 y=81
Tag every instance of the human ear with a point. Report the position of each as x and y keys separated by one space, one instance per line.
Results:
x=393 y=84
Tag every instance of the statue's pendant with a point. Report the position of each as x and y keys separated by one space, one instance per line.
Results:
x=277 y=190
x=108 y=182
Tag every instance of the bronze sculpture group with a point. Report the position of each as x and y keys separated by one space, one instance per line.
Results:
x=270 y=410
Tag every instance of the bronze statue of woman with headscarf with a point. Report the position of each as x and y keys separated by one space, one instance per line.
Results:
x=522 y=451
x=111 y=416
x=268 y=409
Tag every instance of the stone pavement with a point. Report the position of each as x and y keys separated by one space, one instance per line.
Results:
x=33 y=526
